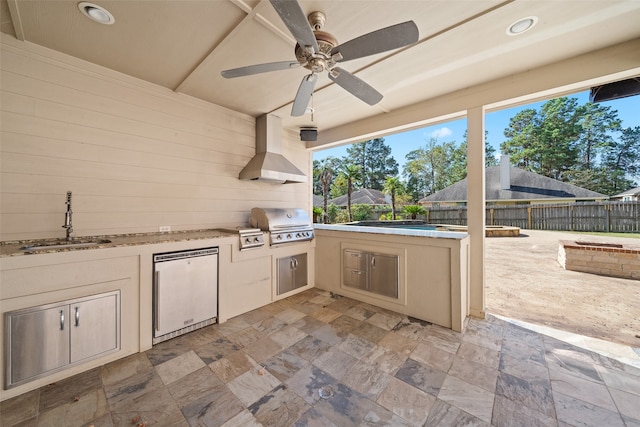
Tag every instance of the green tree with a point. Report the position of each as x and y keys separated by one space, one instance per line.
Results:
x=391 y=186
x=622 y=159
x=325 y=178
x=459 y=157
x=375 y=161
x=414 y=210
x=352 y=173
x=521 y=144
x=428 y=169
x=597 y=122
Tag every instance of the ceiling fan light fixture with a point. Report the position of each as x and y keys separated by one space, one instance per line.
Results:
x=96 y=13
x=522 y=25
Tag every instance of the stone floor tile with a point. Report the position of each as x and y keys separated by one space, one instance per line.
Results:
x=252 y=385
x=588 y=391
x=433 y=356
x=254 y=316
x=288 y=336
x=523 y=369
x=343 y=304
x=124 y=392
x=279 y=407
x=69 y=389
x=614 y=378
x=627 y=403
x=307 y=382
x=386 y=321
x=178 y=367
x=232 y=365
x=369 y=332
x=346 y=407
x=118 y=370
x=202 y=336
x=344 y=324
x=326 y=314
x=154 y=408
x=356 y=346
x=233 y=325
x=83 y=409
x=483 y=338
x=509 y=413
x=284 y=365
x=269 y=325
x=406 y=401
x=519 y=333
x=443 y=343
x=360 y=312
x=474 y=373
x=243 y=419
x=398 y=343
x=322 y=299
x=245 y=337
x=335 y=362
x=329 y=334
x=577 y=412
x=216 y=350
x=414 y=330
x=630 y=422
x=443 y=414
x=468 y=397
x=534 y=394
x=193 y=386
x=384 y=359
x=263 y=349
x=368 y=379
x=309 y=348
x=523 y=351
x=214 y=408
x=20 y=408
x=289 y=315
x=421 y=376
x=308 y=324
x=167 y=350
x=313 y=418
x=481 y=355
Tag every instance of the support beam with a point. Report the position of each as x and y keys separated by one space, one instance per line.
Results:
x=476 y=209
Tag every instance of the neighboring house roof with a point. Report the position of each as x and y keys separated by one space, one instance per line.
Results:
x=630 y=192
x=524 y=186
x=365 y=196
x=317 y=200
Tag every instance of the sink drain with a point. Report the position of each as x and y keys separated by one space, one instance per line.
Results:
x=325 y=392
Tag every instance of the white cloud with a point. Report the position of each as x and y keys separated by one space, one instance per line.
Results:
x=441 y=133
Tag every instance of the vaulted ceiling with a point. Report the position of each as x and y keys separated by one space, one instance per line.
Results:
x=184 y=45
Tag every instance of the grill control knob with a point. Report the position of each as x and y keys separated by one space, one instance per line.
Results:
x=256 y=240
x=247 y=240
x=288 y=236
x=279 y=237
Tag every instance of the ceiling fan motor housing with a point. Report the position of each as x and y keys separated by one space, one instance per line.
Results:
x=318 y=61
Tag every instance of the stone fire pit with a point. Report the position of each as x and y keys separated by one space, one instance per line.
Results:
x=606 y=259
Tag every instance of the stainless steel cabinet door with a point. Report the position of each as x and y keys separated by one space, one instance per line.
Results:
x=383 y=277
x=285 y=275
x=94 y=327
x=299 y=271
x=38 y=342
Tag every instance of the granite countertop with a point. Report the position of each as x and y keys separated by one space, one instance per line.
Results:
x=12 y=248
x=457 y=235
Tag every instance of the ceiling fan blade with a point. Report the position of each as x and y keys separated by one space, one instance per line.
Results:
x=296 y=21
x=382 y=40
x=259 y=68
x=304 y=95
x=355 y=86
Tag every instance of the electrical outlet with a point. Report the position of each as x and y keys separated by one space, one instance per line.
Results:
x=165 y=228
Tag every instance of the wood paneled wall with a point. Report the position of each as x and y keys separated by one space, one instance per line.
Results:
x=136 y=156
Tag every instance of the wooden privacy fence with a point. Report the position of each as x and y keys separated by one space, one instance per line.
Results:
x=610 y=217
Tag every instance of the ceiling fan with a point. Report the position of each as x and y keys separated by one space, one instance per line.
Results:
x=318 y=51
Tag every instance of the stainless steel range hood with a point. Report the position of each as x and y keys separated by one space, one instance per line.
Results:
x=269 y=165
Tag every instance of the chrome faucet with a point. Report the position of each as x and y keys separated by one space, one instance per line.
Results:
x=68 y=221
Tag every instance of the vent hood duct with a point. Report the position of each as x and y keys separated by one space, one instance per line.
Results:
x=269 y=165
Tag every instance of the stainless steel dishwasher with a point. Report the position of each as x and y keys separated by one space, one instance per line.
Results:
x=185 y=292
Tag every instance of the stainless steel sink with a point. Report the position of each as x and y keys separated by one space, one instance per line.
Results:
x=64 y=244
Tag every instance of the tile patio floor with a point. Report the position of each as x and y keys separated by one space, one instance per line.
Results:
x=267 y=366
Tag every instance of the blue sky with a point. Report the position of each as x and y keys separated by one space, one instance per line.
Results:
x=495 y=123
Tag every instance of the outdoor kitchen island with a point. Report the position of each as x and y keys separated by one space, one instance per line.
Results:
x=429 y=270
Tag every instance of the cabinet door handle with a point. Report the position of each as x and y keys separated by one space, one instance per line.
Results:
x=77 y=316
x=295 y=263
x=373 y=262
x=62 y=320
x=157 y=317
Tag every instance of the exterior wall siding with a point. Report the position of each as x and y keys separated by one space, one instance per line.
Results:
x=135 y=155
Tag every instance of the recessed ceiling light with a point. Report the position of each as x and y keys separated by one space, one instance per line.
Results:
x=96 y=13
x=521 y=25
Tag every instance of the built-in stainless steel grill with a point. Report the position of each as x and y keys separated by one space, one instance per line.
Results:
x=283 y=225
x=249 y=237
